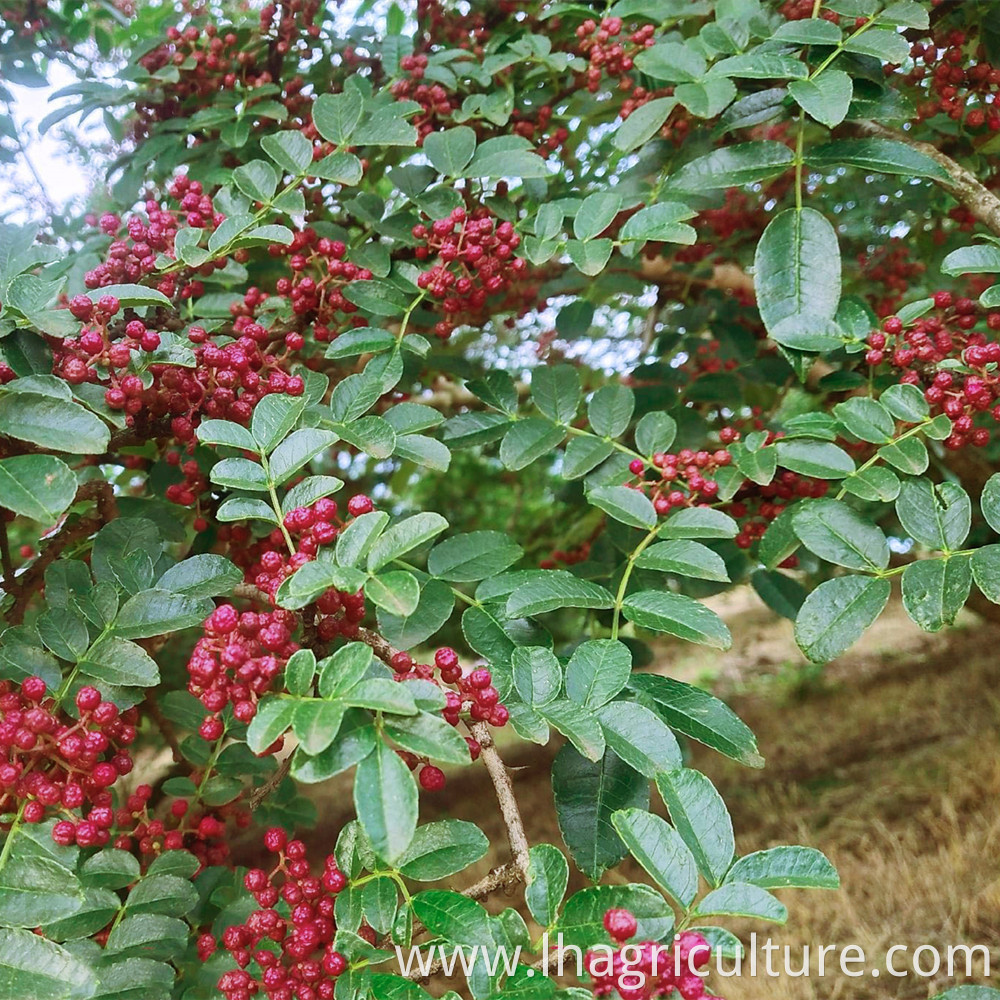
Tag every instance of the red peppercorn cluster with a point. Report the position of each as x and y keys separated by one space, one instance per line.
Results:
x=237 y=660
x=755 y=506
x=304 y=965
x=963 y=85
x=607 y=55
x=475 y=260
x=286 y=21
x=802 y=10
x=315 y=288
x=567 y=557
x=437 y=103
x=684 y=478
x=533 y=125
x=203 y=832
x=664 y=970
x=52 y=763
x=917 y=350
x=475 y=698
x=193 y=485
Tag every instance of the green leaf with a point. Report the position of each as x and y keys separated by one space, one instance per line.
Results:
x=398 y=592
x=658 y=847
x=476 y=555
x=381 y=695
x=273 y=719
x=779 y=592
x=684 y=558
x=672 y=62
x=880 y=43
x=58 y=424
x=273 y=418
x=131 y=296
x=154 y=612
x=697 y=714
x=428 y=735
x=245 y=509
x=257 y=179
x=984 y=258
x=556 y=392
x=809 y=32
x=706 y=98
x=37 y=486
x=936 y=516
x=290 y=149
x=639 y=737
x=866 y=419
x=345 y=668
x=577 y=724
x=935 y=590
x=300 y=671
x=64 y=632
x=296 y=450
x=169 y=894
x=758 y=65
x=336 y=116
x=643 y=123
x=742 y=899
x=597 y=671
x=432 y=611
x=698 y=522
x=590 y=258
x=909 y=455
x=838 y=534
x=239 y=474
x=450 y=150
x=226 y=432
x=986 y=571
x=596 y=212
x=443 y=848
x=826 y=98
x=677 y=615
x=887 y=156
x=548 y=877
x=454 y=917
x=537 y=674
x=624 y=504
x=205 y=575
x=316 y=724
x=404 y=536
x=385 y=799
x=582 y=922
x=701 y=818
x=385 y=128
x=587 y=794
x=556 y=589
x=732 y=166
x=357 y=539
x=35 y=888
x=836 y=613
x=797 y=270
x=114 y=660
x=583 y=454
x=153 y=935
x=33 y=968
x=528 y=440
x=309 y=490
x=610 y=410
x=786 y=868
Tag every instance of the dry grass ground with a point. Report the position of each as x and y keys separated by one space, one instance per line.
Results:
x=889 y=762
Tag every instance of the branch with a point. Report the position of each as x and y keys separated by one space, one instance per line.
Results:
x=502 y=877
x=258 y=795
x=505 y=796
x=165 y=726
x=961 y=183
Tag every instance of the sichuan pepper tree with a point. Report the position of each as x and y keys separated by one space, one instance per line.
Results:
x=417 y=365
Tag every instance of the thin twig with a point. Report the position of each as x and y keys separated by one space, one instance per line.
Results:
x=258 y=795
x=165 y=726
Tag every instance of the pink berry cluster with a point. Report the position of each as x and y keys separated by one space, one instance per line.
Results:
x=436 y=102
x=684 y=479
x=236 y=661
x=918 y=349
x=315 y=287
x=304 y=965
x=475 y=698
x=606 y=54
x=664 y=970
x=475 y=260
x=51 y=763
